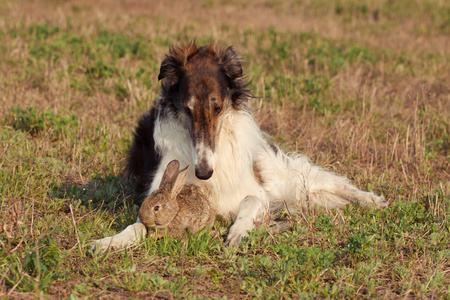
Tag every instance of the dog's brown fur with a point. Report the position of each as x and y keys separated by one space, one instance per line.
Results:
x=203 y=83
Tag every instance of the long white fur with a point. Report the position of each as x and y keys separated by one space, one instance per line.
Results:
x=233 y=188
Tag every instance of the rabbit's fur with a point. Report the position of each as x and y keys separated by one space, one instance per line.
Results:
x=176 y=206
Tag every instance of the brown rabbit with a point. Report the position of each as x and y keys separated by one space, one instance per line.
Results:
x=176 y=206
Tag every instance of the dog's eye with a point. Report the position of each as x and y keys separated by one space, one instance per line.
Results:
x=217 y=110
x=156 y=208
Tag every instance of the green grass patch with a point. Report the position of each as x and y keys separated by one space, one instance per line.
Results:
x=35 y=121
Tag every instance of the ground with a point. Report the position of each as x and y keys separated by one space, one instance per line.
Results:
x=361 y=87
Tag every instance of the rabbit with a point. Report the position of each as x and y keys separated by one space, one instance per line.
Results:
x=176 y=206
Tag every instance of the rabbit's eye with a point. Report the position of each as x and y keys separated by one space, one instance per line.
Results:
x=156 y=208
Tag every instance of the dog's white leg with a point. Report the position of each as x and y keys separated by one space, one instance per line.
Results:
x=305 y=183
x=130 y=236
x=334 y=191
x=251 y=211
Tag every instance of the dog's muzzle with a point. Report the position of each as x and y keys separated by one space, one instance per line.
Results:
x=203 y=171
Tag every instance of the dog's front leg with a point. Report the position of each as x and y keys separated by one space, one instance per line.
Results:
x=251 y=212
x=130 y=236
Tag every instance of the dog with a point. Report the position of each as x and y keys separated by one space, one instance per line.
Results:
x=202 y=118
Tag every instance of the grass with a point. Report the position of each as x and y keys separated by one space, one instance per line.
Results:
x=360 y=87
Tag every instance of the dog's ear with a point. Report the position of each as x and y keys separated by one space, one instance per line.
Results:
x=230 y=64
x=168 y=68
x=173 y=63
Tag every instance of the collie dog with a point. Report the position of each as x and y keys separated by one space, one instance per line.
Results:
x=202 y=118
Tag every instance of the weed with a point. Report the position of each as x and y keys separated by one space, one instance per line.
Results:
x=39 y=267
x=35 y=122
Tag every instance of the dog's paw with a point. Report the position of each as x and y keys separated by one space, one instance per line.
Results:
x=114 y=242
x=100 y=245
x=232 y=241
x=379 y=201
x=235 y=235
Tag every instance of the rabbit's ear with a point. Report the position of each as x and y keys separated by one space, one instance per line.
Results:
x=170 y=172
x=178 y=181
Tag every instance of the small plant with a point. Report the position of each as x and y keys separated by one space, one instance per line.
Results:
x=40 y=266
x=35 y=121
x=102 y=191
x=101 y=70
x=121 y=92
x=43 y=31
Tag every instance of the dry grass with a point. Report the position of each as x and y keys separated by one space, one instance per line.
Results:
x=363 y=88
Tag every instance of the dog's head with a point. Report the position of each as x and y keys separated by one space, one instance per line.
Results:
x=203 y=83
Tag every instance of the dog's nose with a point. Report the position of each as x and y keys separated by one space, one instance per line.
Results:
x=203 y=174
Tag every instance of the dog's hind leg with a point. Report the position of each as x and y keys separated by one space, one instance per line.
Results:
x=343 y=194
x=317 y=185
x=251 y=212
x=129 y=237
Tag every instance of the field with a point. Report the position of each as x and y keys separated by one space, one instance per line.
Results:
x=361 y=87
